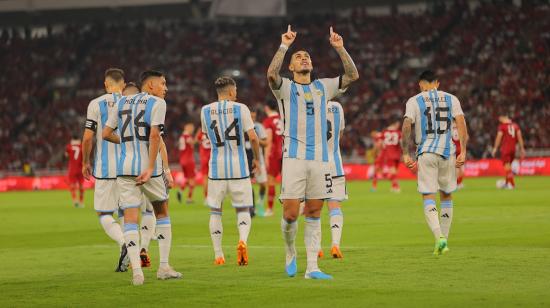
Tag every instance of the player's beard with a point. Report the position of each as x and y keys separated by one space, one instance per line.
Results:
x=305 y=71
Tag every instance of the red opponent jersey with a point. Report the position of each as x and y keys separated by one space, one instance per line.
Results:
x=391 y=139
x=74 y=153
x=186 y=149
x=204 y=145
x=276 y=125
x=509 y=137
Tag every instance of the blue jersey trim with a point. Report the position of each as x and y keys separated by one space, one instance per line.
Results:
x=237 y=114
x=147 y=118
x=324 y=141
x=221 y=136
x=293 y=133
x=230 y=154
x=337 y=161
x=213 y=148
x=433 y=144
x=447 y=151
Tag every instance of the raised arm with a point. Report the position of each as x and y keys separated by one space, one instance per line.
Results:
x=273 y=76
x=463 y=139
x=350 y=70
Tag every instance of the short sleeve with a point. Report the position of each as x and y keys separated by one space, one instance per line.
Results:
x=92 y=116
x=246 y=118
x=457 y=109
x=203 y=122
x=410 y=110
x=332 y=87
x=158 y=113
x=284 y=88
x=260 y=131
x=112 y=119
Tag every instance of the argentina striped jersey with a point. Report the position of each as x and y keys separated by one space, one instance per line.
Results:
x=133 y=117
x=106 y=153
x=304 y=110
x=336 y=125
x=432 y=112
x=225 y=123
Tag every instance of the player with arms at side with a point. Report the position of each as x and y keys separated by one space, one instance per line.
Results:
x=73 y=152
x=186 y=144
x=306 y=171
x=274 y=128
x=204 y=156
x=139 y=120
x=508 y=135
x=225 y=122
x=106 y=192
x=432 y=112
x=391 y=152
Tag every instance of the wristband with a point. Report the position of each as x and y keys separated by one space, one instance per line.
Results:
x=283 y=46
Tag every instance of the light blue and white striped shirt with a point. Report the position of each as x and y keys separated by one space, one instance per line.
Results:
x=106 y=153
x=304 y=110
x=133 y=117
x=433 y=112
x=225 y=123
x=336 y=125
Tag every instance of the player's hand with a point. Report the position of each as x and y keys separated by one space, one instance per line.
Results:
x=288 y=37
x=335 y=39
x=409 y=162
x=522 y=154
x=87 y=171
x=144 y=177
x=460 y=160
x=169 y=178
x=494 y=152
x=256 y=167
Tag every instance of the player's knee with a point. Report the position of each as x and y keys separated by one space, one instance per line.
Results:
x=160 y=208
x=290 y=216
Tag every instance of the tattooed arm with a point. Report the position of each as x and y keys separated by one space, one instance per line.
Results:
x=273 y=76
x=406 y=142
x=350 y=70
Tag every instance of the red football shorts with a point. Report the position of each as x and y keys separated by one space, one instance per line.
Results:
x=188 y=170
x=507 y=157
x=275 y=166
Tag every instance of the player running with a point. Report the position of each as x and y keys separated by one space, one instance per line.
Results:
x=204 y=155
x=508 y=135
x=306 y=171
x=73 y=151
x=187 y=161
x=261 y=175
x=106 y=193
x=225 y=122
x=391 y=152
x=139 y=120
x=432 y=111
x=274 y=128
x=336 y=124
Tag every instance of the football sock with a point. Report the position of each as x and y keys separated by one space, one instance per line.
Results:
x=312 y=232
x=81 y=194
x=394 y=183
x=147 y=229
x=446 y=217
x=73 y=193
x=216 y=232
x=289 y=228
x=131 y=236
x=164 y=237
x=112 y=229
x=270 y=197
x=243 y=224
x=336 y=225
x=190 y=192
x=375 y=181
x=430 y=212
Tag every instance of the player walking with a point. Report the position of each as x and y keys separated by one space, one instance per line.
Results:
x=106 y=193
x=306 y=171
x=508 y=135
x=432 y=112
x=391 y=151
x=140 y=122
x=225 y=122
x=187 y=161
x=274 y=128
x=73 y=151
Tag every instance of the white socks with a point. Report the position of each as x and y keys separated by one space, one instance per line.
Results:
x=164 y=237
x=312 y=232
x=336 y=225
x=112 y=228
x=289 y=235
x=446 y=217
x=131 y=237
x=430 y=212
x=216 y=232
x=243 y=224
x=147 y=229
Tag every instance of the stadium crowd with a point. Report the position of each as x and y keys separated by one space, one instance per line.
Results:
x=495 y=58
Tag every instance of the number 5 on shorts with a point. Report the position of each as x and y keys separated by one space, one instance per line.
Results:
x=328 y=179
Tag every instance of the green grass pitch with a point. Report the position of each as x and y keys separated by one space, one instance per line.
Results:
x=55 y=255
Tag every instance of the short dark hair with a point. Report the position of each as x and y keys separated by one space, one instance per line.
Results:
x=130 y=84
x=272 y=104
x=148 y=74
x=223 y=82
x=114 y=73
x=428 y=75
